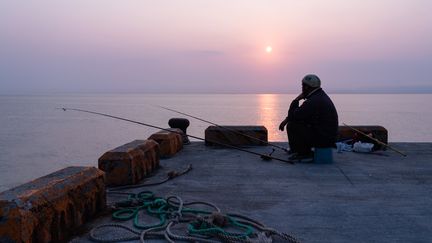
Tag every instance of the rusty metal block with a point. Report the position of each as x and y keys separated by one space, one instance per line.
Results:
x=51 y=208
x=378 y=132
x=130 y=163
x=236 y=135
x=170 y=141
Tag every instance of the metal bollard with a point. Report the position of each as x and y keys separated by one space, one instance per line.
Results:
x=182 y=124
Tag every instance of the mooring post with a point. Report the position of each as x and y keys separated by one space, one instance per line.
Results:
x=182 y=124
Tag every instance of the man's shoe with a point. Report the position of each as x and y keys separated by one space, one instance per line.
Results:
x=307 y=158
x=289 y=151
x=295 y=156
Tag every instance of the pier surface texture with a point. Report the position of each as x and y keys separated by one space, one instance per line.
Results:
x=381 y=197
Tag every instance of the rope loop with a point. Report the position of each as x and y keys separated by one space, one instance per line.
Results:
x=202 y=225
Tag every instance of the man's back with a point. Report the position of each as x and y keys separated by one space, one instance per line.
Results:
x=319 y=112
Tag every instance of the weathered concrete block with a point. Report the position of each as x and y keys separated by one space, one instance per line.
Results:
x=236 y=135
x=130 y=163
x=170 y=142
x=378 y=132
x=50 y=208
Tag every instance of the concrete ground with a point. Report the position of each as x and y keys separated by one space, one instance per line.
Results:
x=389 y=198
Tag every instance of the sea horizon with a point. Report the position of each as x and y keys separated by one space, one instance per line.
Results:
x=199 y=93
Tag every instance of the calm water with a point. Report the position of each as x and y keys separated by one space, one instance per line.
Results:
x=36 y=138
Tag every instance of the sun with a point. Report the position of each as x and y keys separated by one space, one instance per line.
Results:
x=269 y=49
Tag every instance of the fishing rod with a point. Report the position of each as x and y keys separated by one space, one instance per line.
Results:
x=376 y=140
x=227 y=128
x=263 y=156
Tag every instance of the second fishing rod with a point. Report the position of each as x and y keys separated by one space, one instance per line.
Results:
x=263 y=156
x=223 y=127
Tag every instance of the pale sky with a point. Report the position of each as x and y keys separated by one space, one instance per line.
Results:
x=216 y=46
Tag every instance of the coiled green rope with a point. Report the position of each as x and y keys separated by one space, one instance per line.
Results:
x=202 y=226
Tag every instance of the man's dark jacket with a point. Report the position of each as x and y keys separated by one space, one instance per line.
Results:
x=319 y=113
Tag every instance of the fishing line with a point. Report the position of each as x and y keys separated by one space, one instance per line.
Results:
x=343 y=173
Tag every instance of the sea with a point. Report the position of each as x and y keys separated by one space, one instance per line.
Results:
x=37 y=138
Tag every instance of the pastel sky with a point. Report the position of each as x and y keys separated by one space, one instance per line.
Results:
x=214 y=46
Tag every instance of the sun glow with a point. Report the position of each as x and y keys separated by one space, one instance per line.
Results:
x=269 y=49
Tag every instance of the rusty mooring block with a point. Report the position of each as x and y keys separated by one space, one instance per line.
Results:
x=236 y=135
x=130 y=163
x=170 y=141
x=378 y=132
x=51 y=208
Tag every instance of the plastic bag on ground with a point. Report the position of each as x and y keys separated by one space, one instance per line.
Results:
x=363 y=147
x=343 y=147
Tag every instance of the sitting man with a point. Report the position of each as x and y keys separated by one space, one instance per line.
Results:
x=312 y=124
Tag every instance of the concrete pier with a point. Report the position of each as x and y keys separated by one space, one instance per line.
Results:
x=387 y=197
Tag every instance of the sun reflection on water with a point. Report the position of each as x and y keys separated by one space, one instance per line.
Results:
x=269 y=115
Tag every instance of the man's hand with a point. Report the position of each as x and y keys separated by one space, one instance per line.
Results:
x=282 y=125
x=300 y=97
